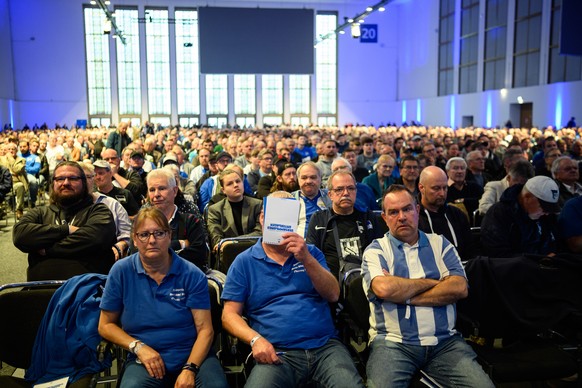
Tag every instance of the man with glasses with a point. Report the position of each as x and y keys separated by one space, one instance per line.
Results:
x=565 y=172
x=123 y=178
x=409 y=173
x=265 y=157
x=342 y=232
x=523 y=221
x=71 y=235
x=413 y=281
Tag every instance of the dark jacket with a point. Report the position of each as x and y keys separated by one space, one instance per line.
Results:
x=56 y=254
x=5 y=182
x=186 y=226
x=221 y=222
x=322 y=221
x=431 y=222
x=136 y=186
x=118 y=142
x=508 y=231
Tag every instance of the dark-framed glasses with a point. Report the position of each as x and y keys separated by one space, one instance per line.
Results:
x=145 y=236
x=340 y=190
x=62 y=179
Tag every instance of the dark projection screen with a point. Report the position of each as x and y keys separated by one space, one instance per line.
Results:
x=256 y=40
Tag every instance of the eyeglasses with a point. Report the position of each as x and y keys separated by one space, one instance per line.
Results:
x=62 y=179
x=144 y=237
x=340 y=190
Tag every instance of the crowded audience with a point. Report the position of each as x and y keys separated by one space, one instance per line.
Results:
x=76 y=192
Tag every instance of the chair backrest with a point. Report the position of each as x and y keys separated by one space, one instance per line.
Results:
x=227 y=252
x=357 y=306
x=215 y=291
x=22 y=312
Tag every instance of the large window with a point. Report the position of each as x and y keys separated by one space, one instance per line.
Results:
x=495 y=44
x=217 y=99
x=446 y=35
x=469 y=46
x=245 y=107
x=128 y=63
x=562 y=68
x=326 y=70
x=187 y=66
x=526 y=52
x=98 y=74
x=158 y=62
x=272 y=93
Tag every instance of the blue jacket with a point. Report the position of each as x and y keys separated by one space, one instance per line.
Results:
x=32 y=163
x=69 y=330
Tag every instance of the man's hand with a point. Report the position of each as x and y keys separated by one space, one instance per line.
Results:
x=295 y=244
x=73 y=229
x=152 y=361
x=264 y=352
x=186 y=379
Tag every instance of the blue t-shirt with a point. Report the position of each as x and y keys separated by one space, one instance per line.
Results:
x=160 y=316
x=280 y=301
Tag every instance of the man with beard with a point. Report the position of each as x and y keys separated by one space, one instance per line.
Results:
x=436 y=216
x=286 y=179
x=325 y=160
x=342 y=232
x=70 y=236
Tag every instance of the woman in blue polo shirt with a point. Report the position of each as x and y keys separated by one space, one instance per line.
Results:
x=156 y=305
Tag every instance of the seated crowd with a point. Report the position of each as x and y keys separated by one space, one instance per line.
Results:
x=397 y=202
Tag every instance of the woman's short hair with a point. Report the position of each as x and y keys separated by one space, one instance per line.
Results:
x=150 y=213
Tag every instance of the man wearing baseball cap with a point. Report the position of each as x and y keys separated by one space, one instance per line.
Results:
x=523 y=221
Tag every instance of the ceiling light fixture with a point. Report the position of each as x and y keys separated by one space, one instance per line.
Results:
x=350 y=22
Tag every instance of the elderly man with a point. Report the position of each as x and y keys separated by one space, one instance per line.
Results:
x=272 y=286
x=523 y=221
x=123 y=178
x=365 y=199
x=311 y=198
x=17 y=167
x=436 y=216
x=476 y=168
x=72 y=235
x=237 y=214
x=342 y=232
x=104 y=182
x=566 y=174
x=412 y=281
x=463 y=193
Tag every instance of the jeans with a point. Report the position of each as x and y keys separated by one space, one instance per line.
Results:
x=452 y=363
x=211 y=376
x=33 y=184
x=328 y=366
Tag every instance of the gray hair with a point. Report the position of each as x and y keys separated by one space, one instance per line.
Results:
x=162 y=173
x=556 y=165
x=348 y=166
x=456 y=159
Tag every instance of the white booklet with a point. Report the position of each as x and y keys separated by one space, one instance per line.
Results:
x=281 y=216
x=60 y=383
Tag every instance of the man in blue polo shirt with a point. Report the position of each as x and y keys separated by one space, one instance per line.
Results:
x=412 y=281
x=284 y=291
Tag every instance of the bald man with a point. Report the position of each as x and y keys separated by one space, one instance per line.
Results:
x=436 y=216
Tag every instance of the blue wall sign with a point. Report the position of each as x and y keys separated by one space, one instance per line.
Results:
x=369 y=33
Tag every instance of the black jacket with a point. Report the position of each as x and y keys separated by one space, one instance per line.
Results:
x=54 y=253
x=322 y=221
x=437 y=223
x=507 y=230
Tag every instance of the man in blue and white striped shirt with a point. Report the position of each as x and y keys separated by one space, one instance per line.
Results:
x=412 y=281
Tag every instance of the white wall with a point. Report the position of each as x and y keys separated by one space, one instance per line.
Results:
x=392 y=80
x=50 y=72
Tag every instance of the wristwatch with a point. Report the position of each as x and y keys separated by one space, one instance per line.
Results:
x=191 y=367
x=133 y=346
